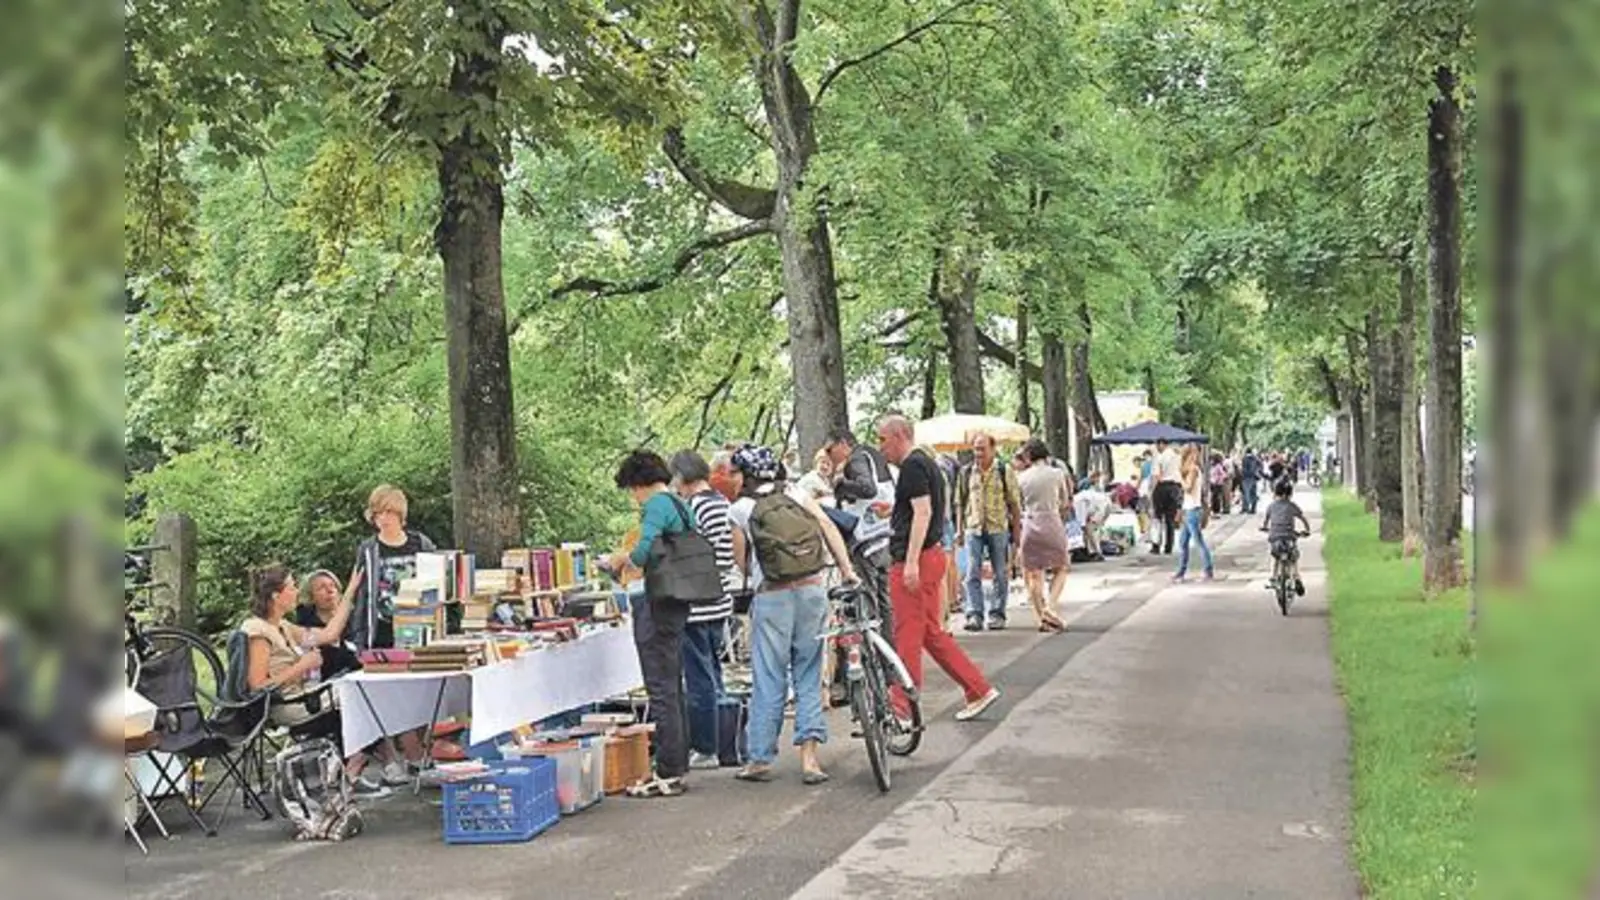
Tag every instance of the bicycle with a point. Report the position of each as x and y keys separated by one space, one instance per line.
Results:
x=869 y=676
x=1284 y=555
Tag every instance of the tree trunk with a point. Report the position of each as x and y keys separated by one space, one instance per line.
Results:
x=483 y=441
x=958 y=315
x=1410 y=420
x=1360 y=432
x=930 y=385
x=1057 y=396
x=1511 y=408
x=1024 y=415
x=1442 y=558
x=800 y=220
x=1387 y=485
x=1087 y=419
x=1345 y=441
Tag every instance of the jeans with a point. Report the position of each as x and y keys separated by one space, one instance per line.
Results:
x=658 y=634
x=919 y=625
x=1248 y=488
x=1168 y=504
x=784 y=649
x=997 y=547
x=1191 y=527
x=702 y=675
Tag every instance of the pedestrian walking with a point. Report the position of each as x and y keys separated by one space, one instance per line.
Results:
x=917 y=570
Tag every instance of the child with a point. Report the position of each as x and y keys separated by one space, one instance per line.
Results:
x=1279 y=524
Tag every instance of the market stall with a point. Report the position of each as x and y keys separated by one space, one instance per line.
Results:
x=534 y=685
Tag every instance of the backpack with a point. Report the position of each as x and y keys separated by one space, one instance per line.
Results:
x=312 y=791
x=682 y=567
x=965 y=488
x=787 y=538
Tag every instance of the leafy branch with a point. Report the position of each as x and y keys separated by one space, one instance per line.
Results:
x=943 y=18
x=599 y=287
x=741 y=199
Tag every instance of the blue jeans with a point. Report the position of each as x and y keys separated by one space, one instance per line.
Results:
x=784 y=627
x=702 y=675
x=1247 y=487
x=1191 y=527
x=997 y=547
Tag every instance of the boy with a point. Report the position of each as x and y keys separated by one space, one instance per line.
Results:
x=1282 y=514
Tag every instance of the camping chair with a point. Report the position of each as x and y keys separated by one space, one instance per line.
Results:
x=322 y=722
x=196 y=727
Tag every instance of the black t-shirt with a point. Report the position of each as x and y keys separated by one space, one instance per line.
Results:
x=336 y=658
x=919 y=477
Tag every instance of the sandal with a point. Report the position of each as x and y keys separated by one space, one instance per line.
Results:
x=656 y=787
x=814 y=776
x=754 y=773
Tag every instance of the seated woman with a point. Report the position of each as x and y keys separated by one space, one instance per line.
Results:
x=323 y=593
x=284 y=655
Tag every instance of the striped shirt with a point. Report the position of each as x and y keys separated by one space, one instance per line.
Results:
x=711 y=520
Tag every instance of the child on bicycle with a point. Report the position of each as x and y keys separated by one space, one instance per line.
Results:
x=1279 y=524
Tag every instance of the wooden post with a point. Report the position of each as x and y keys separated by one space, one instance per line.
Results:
x=173 y=565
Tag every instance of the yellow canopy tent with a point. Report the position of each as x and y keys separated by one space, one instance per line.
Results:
x=955 y=431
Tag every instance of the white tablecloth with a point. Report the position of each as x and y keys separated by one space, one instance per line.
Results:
x=500 y=697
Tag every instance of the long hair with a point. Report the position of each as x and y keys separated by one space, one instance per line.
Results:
x=265 y=585
x=1189 y=466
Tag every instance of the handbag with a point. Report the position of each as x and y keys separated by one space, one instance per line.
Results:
x=682 y=567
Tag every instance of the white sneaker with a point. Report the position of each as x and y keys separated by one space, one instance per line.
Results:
x=978 y=707
x=396 y=773
x=698 y=760
x=369 y=788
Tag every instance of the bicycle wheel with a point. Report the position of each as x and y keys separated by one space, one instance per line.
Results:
x=903 y=736
x=866 y=700
x=208 y=668
x=1281 y=586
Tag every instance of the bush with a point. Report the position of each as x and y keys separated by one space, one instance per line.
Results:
x=299 y=496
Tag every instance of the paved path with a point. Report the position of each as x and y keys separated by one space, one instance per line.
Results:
x=1180 y=742
x=1195 y=750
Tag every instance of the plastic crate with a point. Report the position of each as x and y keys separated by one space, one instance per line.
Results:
x=512 y=803
x=580 y=771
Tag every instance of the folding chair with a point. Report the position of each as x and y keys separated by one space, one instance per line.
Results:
x=195 y=726
x=322 y=721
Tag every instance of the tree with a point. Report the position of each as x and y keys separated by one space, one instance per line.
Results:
x=1442 y=557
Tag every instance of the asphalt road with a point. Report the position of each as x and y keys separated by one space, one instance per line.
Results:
x=1179 y=741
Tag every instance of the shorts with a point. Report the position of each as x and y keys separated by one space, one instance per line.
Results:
x=1284 y=548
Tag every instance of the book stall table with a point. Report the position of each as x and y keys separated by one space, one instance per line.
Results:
x=529 y=687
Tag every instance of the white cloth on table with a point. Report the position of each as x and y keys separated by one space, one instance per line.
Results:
x=533 y=686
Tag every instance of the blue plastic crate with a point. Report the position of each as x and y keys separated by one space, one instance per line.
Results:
x=513 y=802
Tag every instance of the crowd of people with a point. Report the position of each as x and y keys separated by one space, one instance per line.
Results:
x=930 y=535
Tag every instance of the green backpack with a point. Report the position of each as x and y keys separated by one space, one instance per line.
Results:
x=787 y=537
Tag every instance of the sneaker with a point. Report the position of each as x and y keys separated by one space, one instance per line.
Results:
x=997 y=624
x=972 y=626
x=397 y=773
x=698 y=760
x=367 y=787
x=978 y=707
x=1299 y=588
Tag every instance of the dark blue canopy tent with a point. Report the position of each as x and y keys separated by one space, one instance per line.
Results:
x=1149 y=433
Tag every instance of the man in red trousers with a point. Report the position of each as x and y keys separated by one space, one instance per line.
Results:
x=916 y=575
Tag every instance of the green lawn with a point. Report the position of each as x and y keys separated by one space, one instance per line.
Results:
x=1405 y=667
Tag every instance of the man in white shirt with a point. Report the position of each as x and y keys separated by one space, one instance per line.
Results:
x=1166 y=499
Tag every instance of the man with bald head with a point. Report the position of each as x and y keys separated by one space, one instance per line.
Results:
x=916 y=575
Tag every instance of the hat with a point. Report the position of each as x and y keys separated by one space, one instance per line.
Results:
x=757 y=462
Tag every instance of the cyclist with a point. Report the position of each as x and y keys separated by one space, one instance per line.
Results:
x=1279 y=524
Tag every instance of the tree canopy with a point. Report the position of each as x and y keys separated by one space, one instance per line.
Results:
x=480 y=250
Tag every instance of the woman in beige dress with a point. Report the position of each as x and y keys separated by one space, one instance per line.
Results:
x=1046 y=498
